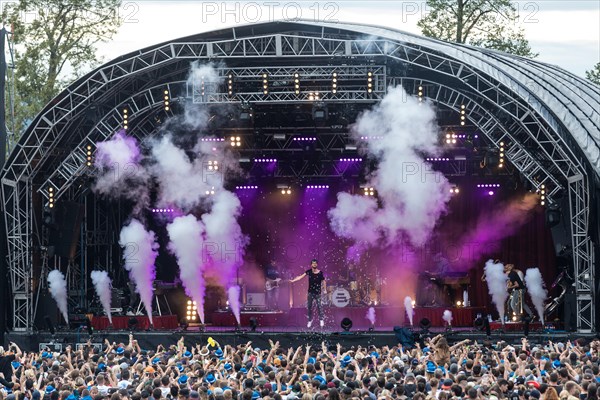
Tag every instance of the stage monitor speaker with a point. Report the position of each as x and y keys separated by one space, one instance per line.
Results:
x=65 y=232
x=405 y=336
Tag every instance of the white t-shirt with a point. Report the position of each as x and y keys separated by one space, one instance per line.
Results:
x=123 y=384
x=103 y=390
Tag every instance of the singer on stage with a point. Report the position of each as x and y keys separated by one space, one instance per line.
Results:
x=316 y=284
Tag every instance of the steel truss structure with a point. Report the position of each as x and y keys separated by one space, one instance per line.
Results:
x=504 y=97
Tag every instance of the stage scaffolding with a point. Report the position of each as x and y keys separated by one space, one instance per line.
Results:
x=505 y=100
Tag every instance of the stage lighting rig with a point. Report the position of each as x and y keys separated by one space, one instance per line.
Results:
x=51 y=197
x=463 y=115
x=125 y=118
x=167 y=100
x=334 y=83
x=89 y=155
x=297 y=83
x=230 y=84
x=265 y=83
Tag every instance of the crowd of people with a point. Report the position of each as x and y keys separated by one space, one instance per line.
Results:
x=433 y=370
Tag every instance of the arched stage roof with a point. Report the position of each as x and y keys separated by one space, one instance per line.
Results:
x=568 y=104
x=549 y=117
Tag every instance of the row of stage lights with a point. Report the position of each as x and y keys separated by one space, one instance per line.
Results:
x=542 y=193
x=192 y=311
x=313 y=96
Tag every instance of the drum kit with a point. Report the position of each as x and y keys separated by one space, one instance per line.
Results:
x=353 y=293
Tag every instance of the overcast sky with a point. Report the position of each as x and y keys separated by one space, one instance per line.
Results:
x=564 y=32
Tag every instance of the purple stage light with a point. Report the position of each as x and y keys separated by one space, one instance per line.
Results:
x=251 y=187
x=437 y=159
x=305 y=139
x=371 y=137
x=212 y=140
x=163 y=210
x=491 y=193
x=317 y=187
x=265 y=160
x=488 y=185
x=351 y=159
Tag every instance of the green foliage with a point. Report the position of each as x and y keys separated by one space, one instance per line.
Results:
x=594 y=74
x=486 y=23
x=55 y=42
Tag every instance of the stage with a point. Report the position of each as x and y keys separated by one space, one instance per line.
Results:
x=385 y=316
x=287 y=336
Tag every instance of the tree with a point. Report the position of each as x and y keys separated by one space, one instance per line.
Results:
x=594 y=74
x=485 y=23
x=55 y=43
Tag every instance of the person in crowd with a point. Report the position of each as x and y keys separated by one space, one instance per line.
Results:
x=204 y=370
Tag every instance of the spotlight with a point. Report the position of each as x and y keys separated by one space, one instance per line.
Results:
x=334 y=83
x=230 y=84
x=463 y=115
x=235 y=141
x=125 y=119
x=346 y=324
x=458 y=303
x=184 y=324
x=425 y=323
x=88 y=153
x=454 y=190
x=132 y=323
x=265 y=81
x=478 y=323
x=253 y=324
x=167 y=100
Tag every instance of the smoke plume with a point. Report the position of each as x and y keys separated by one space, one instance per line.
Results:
x=411 y=194
x=408 y=305
x=233 y=295
x=225 y=242
x=102 y=284
x=139 y=253
x=496 y=281
x=120 y=173
x=58 y=289
x=537 y=291
x=186 y=234
x=505 y=219
x=182 y=182
x=371 y=315
x=447 y=316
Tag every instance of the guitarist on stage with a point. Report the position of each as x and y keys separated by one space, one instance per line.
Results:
x=273 y=279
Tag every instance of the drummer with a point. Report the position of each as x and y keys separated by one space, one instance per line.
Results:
x=351 y=281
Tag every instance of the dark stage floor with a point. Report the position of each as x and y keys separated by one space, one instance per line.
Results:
x=285 y=335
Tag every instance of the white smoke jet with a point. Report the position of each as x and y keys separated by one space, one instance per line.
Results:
x=496 y=281
x=371 y=315
x=58 y=289
x=186 y=235
x=120 y=173
x=233 y=295
x=225 y=241
x=102 y=285
x=411 y=194
x=408 y=305
x=447 y=316
x=182 y=181
x=536 y=289
x=139 y=253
